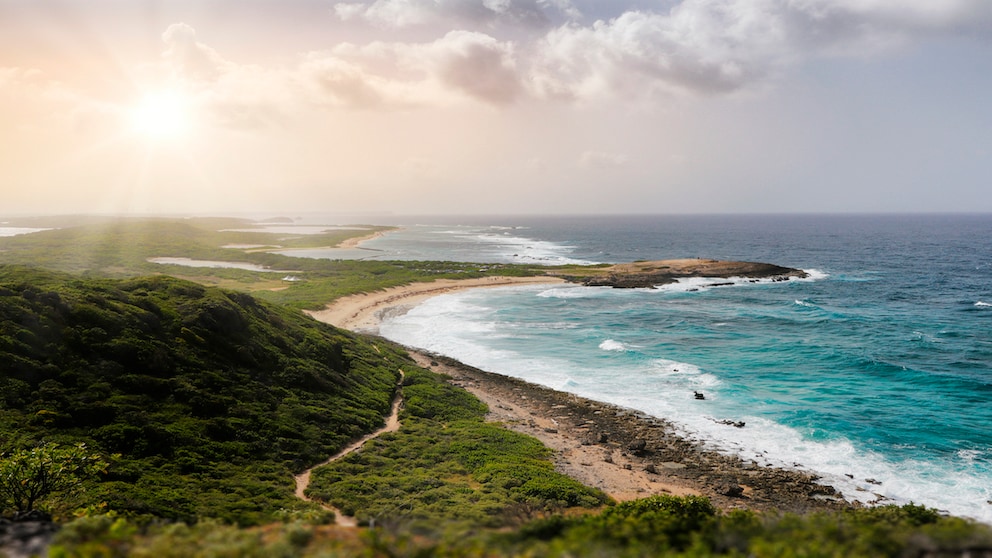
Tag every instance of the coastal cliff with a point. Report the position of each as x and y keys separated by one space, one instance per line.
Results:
x=650 y=274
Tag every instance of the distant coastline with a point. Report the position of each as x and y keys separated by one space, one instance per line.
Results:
x=363 y=312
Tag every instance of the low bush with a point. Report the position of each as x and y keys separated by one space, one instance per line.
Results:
x=448 y=471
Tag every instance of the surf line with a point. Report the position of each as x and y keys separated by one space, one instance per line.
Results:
x=392 y=425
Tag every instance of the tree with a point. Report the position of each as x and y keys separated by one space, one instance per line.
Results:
x=28 y=476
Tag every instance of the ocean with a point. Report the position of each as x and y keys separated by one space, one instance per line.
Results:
x=874 y=373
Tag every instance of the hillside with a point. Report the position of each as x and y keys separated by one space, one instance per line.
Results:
x=212 y=398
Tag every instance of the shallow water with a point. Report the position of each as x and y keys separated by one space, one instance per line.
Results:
x=187 y=262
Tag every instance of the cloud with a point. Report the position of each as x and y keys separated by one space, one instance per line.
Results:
x=462 y=13
x=42 y=102
x=14 y=76
x=698 y=47
x=722 y=46
x=461 y=65
x=190 y=59
x=336 y=82
x=477 y=65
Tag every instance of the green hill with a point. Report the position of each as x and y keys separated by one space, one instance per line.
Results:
x=212 y=398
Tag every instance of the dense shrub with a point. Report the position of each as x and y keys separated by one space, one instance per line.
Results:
x=198 y=388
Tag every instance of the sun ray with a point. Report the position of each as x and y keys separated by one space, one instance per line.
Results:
x=161 y=115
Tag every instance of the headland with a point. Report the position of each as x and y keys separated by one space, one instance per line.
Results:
x=650 y=274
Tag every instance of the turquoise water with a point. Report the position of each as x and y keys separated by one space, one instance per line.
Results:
x=876 y=372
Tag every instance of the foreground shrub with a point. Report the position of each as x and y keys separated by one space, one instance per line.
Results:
x=447 y=470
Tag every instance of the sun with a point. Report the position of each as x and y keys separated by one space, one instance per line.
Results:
x=162 y=115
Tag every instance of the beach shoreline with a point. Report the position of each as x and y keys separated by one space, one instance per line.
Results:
x=626 y=453
x=354 y=242
x=363 y=312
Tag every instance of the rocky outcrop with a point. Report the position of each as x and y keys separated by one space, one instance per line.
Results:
x=27 y=534
x=650 y=274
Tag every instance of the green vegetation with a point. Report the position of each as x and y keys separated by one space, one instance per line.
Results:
x=657 y=526
x=169 y=416
x=30 y=476
x=121 y=248
x=211 y=397
x=447 y=470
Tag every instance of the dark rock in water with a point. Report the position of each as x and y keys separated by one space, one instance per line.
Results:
x=684 y=461
x=29 y=534
x=698 y=395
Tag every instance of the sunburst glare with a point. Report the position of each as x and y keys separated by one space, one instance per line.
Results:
x=161 y=115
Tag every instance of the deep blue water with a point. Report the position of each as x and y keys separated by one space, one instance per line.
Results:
x=879 y=367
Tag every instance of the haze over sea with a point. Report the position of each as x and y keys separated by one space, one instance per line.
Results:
x=875 y=373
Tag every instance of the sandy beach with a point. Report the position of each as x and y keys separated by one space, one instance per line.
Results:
x=362 y=312
x=621 y=451
x=352 y=243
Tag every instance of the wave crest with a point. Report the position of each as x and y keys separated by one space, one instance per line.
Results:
x=611 y=345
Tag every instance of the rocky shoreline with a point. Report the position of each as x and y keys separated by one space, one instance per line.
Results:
x=593 y=441
x=650 y=274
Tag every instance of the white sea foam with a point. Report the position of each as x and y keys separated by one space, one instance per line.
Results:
x=527 y=250
x=814 y=275
x=573 y=291
x=981 y=304
x=694 y=284
x=463 y=326
x=805 y=304
x=611 y=345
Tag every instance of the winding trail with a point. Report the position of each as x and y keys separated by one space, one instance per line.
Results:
x=392 y=425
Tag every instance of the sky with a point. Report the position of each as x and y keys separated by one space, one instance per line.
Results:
x=495 y=106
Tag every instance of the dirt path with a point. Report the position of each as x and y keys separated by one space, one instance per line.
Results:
x=303 y=479
x=608 y=469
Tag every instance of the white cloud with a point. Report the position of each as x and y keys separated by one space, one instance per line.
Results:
x=461 y=65
x=698 y=47
x=721 y=46
x=190 y=59
x=477 y=65
x=473 y=14
x=13 y=76
x=336 y=82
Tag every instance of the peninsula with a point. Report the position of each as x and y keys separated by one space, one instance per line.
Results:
x=362 y=312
